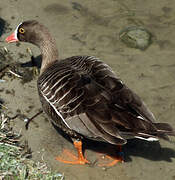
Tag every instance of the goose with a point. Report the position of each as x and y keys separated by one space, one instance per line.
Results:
x=84 y=97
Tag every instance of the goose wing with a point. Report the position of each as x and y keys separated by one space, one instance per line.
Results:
x=90 y=99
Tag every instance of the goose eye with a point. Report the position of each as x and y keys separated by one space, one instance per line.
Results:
x=21 y=30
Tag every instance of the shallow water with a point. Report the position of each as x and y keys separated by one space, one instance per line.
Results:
x=92 y=28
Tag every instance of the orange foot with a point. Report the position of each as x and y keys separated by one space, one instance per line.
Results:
x=109 y=161
x=75 y=160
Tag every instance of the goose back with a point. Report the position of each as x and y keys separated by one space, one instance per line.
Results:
x=82 y=95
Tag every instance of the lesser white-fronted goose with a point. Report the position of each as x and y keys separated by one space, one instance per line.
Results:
x=84 y=97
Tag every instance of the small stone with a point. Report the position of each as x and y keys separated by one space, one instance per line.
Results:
x=104 y=168
x=26 y=120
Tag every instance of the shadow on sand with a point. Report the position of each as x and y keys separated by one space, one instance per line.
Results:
x=35 y=61
x=135 y=147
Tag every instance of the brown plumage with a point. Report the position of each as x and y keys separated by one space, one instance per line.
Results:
x=85 y=98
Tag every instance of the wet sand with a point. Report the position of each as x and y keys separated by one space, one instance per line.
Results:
x=92 y=28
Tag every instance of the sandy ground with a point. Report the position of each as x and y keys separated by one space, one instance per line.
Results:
x=92 y=28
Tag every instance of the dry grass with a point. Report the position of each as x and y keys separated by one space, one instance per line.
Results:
x=14 y=157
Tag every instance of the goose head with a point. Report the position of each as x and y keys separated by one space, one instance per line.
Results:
x=37 y=34
x=29 y=31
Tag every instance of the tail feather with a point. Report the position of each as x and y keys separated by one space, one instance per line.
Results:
x=164 y=129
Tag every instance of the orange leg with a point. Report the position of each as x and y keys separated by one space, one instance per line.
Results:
x=113 y=160
x=76 y=160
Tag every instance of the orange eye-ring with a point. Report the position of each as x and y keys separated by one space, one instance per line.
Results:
x=21 y=30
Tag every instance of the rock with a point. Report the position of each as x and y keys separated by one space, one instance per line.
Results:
x=136 y=37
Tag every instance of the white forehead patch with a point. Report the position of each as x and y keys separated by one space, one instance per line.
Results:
x=16 y=30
